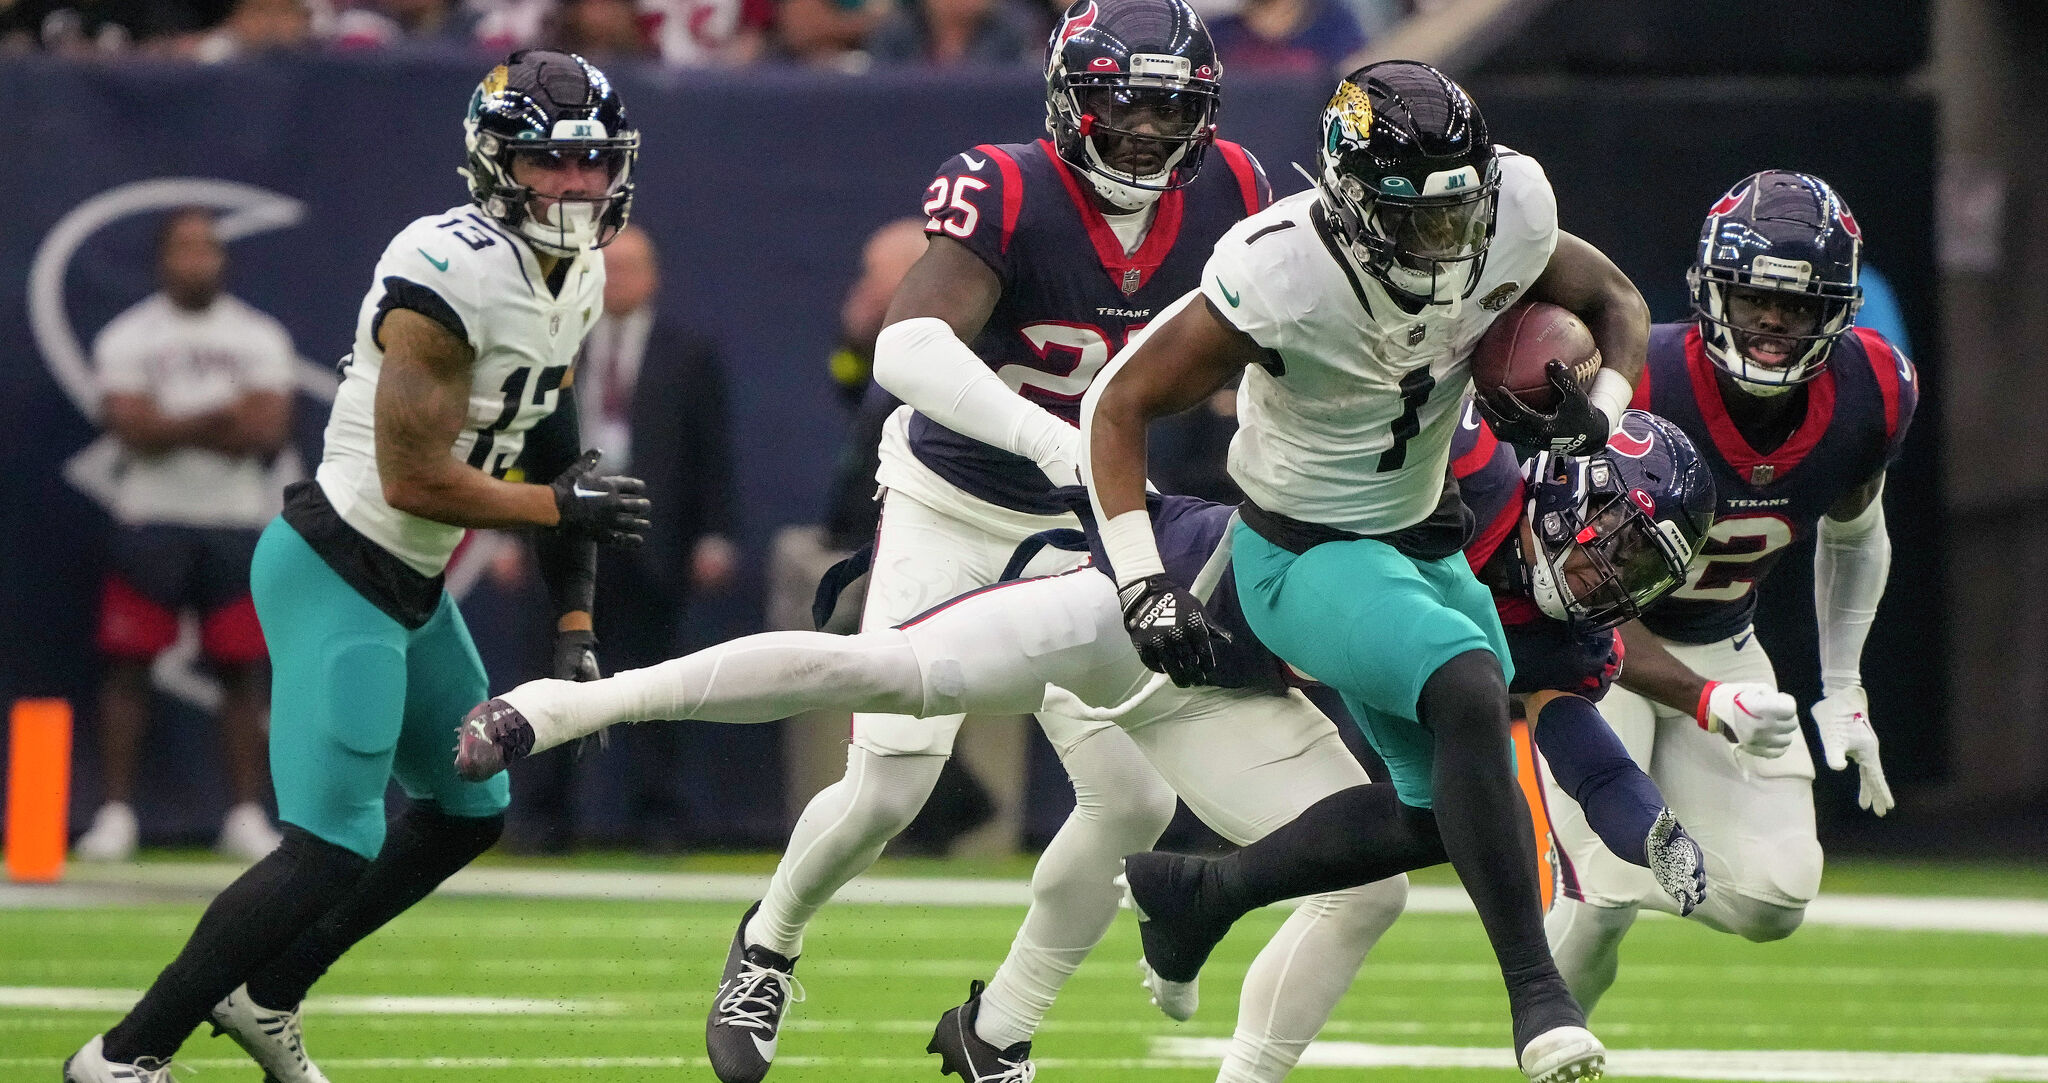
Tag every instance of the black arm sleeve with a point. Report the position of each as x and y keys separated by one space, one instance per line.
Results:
x=568 y=564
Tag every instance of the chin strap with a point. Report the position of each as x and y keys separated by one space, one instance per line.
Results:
x=1850 y=565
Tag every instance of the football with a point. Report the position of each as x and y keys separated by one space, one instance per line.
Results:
x=1522 y=341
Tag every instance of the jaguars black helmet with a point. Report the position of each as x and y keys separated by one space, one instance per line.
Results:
x=1774 y=283
x=1608 y=534
x=1131 y=90
x=1409 y=179
x=556 y=107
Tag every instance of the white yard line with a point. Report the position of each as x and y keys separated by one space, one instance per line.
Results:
x=1787 y=1065
x=99 y=885
x=74 y=999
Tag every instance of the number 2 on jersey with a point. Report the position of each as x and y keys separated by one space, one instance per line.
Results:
x=1725 y=568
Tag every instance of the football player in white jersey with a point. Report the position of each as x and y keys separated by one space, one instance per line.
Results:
x=1351 y=310
x=463 y=346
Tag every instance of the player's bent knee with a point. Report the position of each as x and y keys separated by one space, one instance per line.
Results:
x=1470 y=689
x=1367 y=910
x=1761 y=922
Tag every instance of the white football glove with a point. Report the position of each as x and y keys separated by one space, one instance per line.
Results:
x=1845 y=734
x=1756 y=718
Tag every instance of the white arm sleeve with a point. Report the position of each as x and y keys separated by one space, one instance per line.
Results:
x=1850 y=565
x=922 y=362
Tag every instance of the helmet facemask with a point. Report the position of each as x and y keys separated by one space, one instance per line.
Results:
x=587 y=135
x=1136 y=137
x=1593 y=552
x=1415 y=247
x=1771 y=348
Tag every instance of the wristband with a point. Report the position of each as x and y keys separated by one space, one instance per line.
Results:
x=1704 y=714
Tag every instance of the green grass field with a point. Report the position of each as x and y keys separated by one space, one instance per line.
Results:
x=618 y=990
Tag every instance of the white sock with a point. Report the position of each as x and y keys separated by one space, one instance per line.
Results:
x=1301 y=974
x=839 y=835
x=1121 y=806
x=757 y=678
x=1586 y=942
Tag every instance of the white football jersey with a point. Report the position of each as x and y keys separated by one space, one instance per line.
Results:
x=525 y=340
x=191 y=363
x=1351 y=428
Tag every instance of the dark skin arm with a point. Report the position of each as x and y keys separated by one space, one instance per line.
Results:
x=1180 y=362
x=1652 y=672
x=948 y=282
x=422 y=407
x=1856 y=501
x=1582 y=279
x=255 y=424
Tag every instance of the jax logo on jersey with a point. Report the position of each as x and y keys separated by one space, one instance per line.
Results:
x=1077 y=22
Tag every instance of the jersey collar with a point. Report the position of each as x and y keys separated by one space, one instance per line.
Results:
x=1130 y=272
x=1757 y=469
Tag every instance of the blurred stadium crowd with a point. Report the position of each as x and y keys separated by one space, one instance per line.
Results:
x=852 y=36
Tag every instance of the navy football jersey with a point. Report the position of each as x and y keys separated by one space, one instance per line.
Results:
x=1857 y=412
x=1070 y=296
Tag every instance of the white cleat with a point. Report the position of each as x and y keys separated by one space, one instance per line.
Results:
x=246 y=834
x=1176 y=999
x=272 y=1038
x=1564 y=1054
x=90 y=1065
x=112 y=837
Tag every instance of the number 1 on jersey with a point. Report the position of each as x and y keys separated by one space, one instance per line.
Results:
x=1415 y=389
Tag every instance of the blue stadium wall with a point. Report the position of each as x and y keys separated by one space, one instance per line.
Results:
x=759 y=189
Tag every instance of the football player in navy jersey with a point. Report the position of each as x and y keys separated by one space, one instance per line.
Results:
x=1246 y=753
x=1043 y=259
x=1798 y=414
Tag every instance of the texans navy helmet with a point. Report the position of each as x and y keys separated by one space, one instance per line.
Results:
x=1608 y=534
x=1408 y=179
x=1131 y=91
x=1774 y=283
x=557 y=105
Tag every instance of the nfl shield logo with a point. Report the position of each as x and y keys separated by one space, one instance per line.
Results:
x=1131 y=277
x=554 y=323
x=1762 y=473
x=1416 y=333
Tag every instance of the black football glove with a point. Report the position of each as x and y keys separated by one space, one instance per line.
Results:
x=576 y=655
x=608 y=509
x=1576 y=427
x=1170 y=630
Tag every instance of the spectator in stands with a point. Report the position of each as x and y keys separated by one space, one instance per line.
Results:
x=197 y=387
x=1298 y=35
x=651 y=395
x=825 y=33
x=709 y=33
x=382 y=23
x=953 y=33
x=602 y=30
x=255 y=27
x=96 y=27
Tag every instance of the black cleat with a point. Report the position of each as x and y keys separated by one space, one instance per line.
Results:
x=1165 y=890
x=492 y=735
x=745 y=1023
x=1675 y=859
x=962 y=1052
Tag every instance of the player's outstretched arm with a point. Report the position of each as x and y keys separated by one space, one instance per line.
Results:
x=1850 y=564
x=1582 y=279
x=1755 y=717
x=922 y=357
x=1179 y=362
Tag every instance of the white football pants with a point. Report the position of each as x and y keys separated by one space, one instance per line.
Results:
x=1752 y=817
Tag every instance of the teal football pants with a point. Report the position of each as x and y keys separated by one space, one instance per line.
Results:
x=1373 y=624
x=357 y=699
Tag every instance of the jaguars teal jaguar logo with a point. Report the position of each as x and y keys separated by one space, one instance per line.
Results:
x=1501 y=295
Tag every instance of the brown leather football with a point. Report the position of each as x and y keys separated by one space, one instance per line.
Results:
x=1523 y=340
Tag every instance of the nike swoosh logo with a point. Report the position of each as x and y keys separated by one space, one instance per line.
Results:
x=1743 y=641
x=579 y=490
x=973 y=162
x=767 y=1048
x=1233 y=298
x=439 y=264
